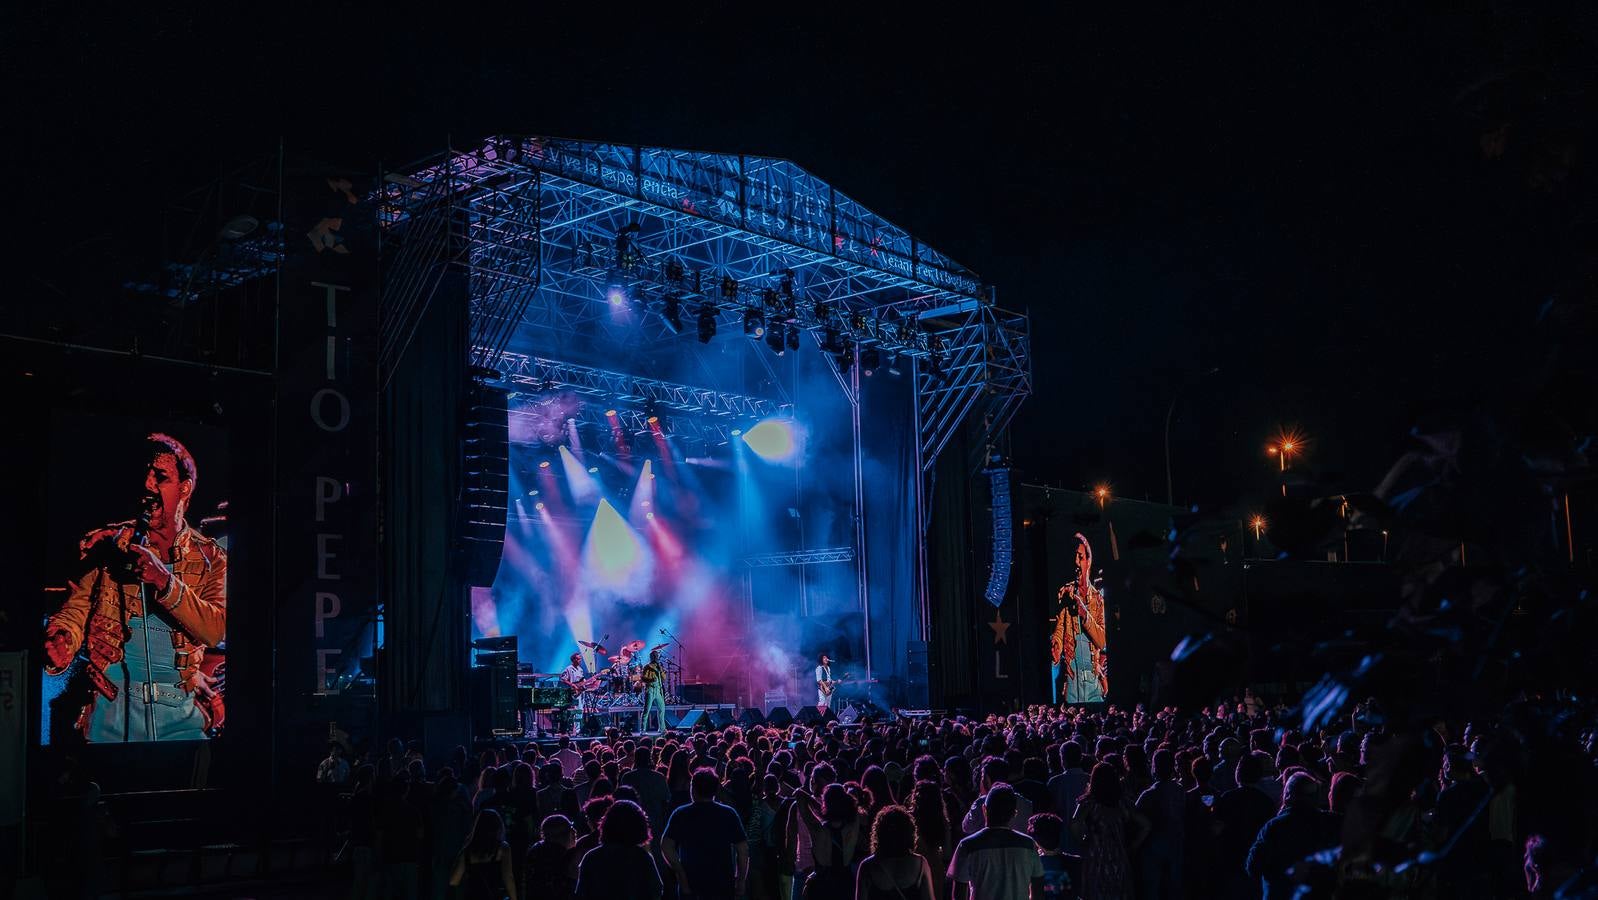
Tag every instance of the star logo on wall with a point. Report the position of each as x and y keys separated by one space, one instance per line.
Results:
x=999 y=627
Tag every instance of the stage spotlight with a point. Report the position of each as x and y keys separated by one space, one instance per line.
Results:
x=754 y=323
x=893 y=363
x=675 y=271
x=823 y=311
x=831 y=340
x=539 y=505
x=616 y=289
x=650 y=415
x=627 y=256
x=649 y=516
x=729 y=287
x=793 y=337
x=707 y=323
x=672 y=313
x=544 y=464
x=870 y=359
x=610 y=414
x=772 y=440
x=737 y=431
x=592 y=469
x=846 y=358
x=775 y=338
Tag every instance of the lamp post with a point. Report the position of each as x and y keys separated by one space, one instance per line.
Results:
x=1170 y=492
x=1286 y=445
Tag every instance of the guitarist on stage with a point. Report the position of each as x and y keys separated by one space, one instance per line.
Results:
x=824 y=683
x=653 y=678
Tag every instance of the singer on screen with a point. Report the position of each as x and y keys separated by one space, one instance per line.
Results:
x=150 y=596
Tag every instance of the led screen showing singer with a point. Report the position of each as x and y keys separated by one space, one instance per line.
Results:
x=134 y=648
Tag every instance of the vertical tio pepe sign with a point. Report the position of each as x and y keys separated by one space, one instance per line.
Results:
x=330 y=413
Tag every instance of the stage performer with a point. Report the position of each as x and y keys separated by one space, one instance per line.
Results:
x=824 y=682
x=653 y=678
x=151 y=596
x=1077 y=645
x=573 y=676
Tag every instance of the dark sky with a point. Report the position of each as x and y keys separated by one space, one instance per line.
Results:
x=1296 y=197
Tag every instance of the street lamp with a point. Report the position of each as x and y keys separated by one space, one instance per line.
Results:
x=1286 y=444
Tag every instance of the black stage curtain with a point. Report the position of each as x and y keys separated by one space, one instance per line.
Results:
x=425 y=600
x=889 y=441
x=953 y=593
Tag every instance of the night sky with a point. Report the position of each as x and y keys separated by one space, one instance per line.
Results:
x=1300 y=198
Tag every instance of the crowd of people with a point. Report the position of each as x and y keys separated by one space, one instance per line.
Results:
x=1226 y=802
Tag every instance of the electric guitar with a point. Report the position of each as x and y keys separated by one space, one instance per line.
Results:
x=827 y=687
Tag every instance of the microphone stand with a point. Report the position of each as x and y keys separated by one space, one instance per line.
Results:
x=683 y=651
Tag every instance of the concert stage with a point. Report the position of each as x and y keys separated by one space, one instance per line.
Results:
x=709 y=391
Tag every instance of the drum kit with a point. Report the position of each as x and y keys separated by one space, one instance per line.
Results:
x=615 y=688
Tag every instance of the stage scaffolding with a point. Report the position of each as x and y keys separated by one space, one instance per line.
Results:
x=550 y=233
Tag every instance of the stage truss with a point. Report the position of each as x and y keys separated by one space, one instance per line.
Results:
x=554 y=235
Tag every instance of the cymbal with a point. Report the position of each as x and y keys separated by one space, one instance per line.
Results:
x=658 y=647
x=592 y=645
x=620 y=660
x=632 y=647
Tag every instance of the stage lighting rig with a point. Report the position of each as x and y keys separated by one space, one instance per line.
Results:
x=754 y=323
x=707 y=322
x=823 y=311
x=870 y=359
x=671 y=311
x=675 y=273
x=793 y=336
x=616 y=288
x=729 y=287
x=831 y=340
x=627 y=255
x=845 y=358
x=776 y=337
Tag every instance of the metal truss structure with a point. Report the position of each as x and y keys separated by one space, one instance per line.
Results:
x=620 y=387
x=575 y=244
x=555 y=235
x=799 y=558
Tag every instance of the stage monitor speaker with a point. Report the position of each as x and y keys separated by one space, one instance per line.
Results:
x=692 y=719
x=751 y=717
x=810 y=715
x=780 y=717
x=720 y=718
x=485 y=483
